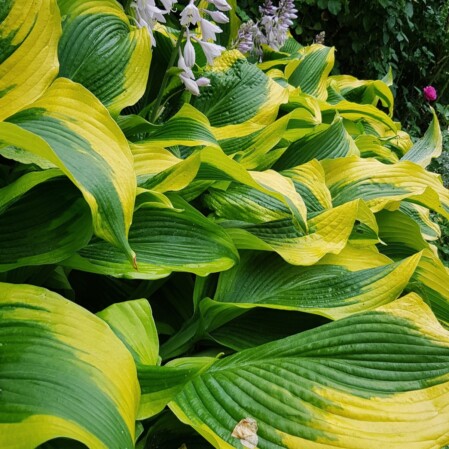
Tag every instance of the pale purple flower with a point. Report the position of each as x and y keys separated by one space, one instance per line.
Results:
x=187 y=71
x=221 y=5
x=208 y=30
x=168 y=4
x=430 y=93
x=190 y=84
x=189 y=52
x=203 y=81
x=217 y=16
x=190 y=15
x=148 y=14
x=211 y=51
x=267 y=9
x=272 y=28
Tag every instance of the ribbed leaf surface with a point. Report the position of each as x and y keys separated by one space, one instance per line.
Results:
x=102 y=51
x=264 y=280
x=374 y=379
x=63 y=373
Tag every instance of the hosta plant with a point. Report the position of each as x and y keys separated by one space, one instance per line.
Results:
x=248 y=267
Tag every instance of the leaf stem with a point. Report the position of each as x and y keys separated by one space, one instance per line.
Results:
x=154 y=112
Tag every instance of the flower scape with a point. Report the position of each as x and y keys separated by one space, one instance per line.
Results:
x=208 y=239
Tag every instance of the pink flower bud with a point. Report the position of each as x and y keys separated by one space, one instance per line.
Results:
x=430 y=93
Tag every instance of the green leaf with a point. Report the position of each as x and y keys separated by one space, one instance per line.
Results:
x=264 y=280
x=132 y=322
x=72 y=129
x=42 y=224
x=166 y=240
x=310 y=73
x=160 y=384
x=333 y=142
x=259 y=326
x=102 y=51
x=381 y=185
x=63 y=374
x=240 y=98
x=427 y=148
x=375 y=378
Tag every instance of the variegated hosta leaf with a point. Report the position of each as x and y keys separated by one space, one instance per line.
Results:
x=43 y=223
x=328 y=232
x=63 y=374
x=378 y=378
x=427 y=148
x=366 y=230
x=431 y=281
x=166 y=240
x=29 y=35
x=73 y=130
x=160 y=170
x=429 y=229
x=241 y=99
x=102 y=51
x=310 y=183
x=260 y=325
x=380 y=122
x=160 y=384
x=258 y=150
x=132 y=322
x=216 y=166
x=371 y=146
x=401 y=234
x=382 y=184
x=187 y=127
x=311 y=71
x=331 y=143
x=364 y=92
x=264 y=280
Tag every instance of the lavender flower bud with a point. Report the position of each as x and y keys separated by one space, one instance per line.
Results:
x=217 y=16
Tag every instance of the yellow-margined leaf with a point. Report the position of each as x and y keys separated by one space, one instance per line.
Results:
x=64 y=374
x=328 y=232
x=429 y=147
x=73 y=130
x=311 y=71
x=331 y=290
x=374 y=379
x=29 y=35
x=101 y=50
x=382 y=184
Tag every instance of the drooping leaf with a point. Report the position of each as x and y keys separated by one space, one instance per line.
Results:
x=328 y=232
x=167 y=240
x=311 y=71
x=375 y=378
x=63 y=374
x=331 y=143
x=72 y=129
x=264 y=280
x=132 y=322
x=29 y=35
x=382 y=184
x=364 y=91
x=101 y=50
x=310 y=183
x=44 y=225
x=427 y=148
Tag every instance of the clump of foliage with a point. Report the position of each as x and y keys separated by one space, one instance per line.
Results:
x=248 y=267
x=411 y=37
